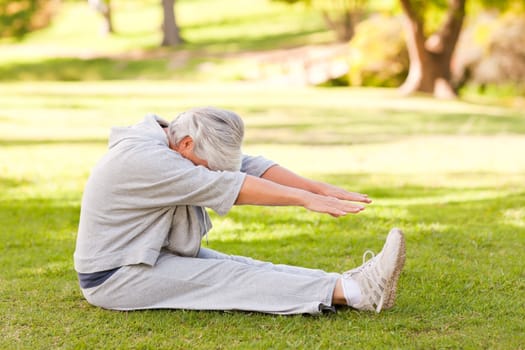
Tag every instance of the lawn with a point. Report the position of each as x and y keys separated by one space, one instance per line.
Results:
x=452 y=175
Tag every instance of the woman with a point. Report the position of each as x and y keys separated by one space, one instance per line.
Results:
x=143 y=218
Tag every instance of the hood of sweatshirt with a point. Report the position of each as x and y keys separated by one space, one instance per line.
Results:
x=150 y=129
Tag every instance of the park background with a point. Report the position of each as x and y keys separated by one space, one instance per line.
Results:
x=322 y=88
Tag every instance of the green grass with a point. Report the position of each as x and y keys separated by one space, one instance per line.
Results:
x=450 y=174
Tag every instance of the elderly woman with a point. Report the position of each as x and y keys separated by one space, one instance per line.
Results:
x=143 y=218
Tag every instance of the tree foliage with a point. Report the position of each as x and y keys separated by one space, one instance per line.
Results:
x=17 y=18
x=341 y=16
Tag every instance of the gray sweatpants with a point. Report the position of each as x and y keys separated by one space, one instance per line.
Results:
x=215 y=281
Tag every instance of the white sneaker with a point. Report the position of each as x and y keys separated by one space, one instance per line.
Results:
x=377 y=278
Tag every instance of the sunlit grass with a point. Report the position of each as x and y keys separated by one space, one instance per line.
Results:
x=72 y=47
x=450 y=174
x=273 y=115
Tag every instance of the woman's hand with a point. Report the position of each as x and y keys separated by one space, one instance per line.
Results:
x=330 y=205
x=337 y=192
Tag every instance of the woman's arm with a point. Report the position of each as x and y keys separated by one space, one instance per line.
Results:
x=285 y=177
x=260 y=191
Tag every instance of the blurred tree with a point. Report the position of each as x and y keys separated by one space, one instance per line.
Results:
x=341 y=16
x=17 y=18
x=430 y=56
x=431 y=53
x=170 y=30
x=104 y=8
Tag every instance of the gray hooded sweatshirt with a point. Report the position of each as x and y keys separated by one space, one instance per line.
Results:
x=143 y=197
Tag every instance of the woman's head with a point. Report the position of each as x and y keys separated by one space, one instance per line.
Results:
x=216 y=136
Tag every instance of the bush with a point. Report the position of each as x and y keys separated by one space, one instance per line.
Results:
x=20 y=17
x=491 y=52
x=378 y=55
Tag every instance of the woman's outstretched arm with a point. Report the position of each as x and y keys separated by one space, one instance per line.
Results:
x=261 y=191
x=283 y=176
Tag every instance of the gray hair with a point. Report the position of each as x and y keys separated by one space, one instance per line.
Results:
x=217 y=136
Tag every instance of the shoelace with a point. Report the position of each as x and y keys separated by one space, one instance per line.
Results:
x=367 y=253
x=366 y=270
x=365 y=263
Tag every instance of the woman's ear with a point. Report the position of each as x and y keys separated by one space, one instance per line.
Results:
x=188 y=143
x=185 y=145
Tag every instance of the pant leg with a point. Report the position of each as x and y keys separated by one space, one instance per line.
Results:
x=206 y=253
x=212 y=284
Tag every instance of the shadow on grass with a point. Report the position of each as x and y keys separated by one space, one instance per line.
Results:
x=232 y=45
x=342 y=127
x=6 y=182
x=485 y=214
x=78 y=69
x=152 y=63
x=356 y=129
x=38 y=142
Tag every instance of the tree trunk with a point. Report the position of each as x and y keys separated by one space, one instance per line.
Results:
x=430 y=58
x=343 y=25
x=170 y=30
x=104 y=8
x=108 y=22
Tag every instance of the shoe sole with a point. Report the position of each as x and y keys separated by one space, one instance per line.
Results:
x=391 y=288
